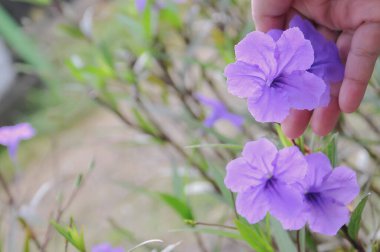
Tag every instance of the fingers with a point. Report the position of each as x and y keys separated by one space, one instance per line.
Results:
x=296 y=123
x=270 y=14
x=324 y=119
x=365 y=48
x=350 y=14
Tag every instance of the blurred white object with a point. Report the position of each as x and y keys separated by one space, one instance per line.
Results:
x=198 y=187
x=7 y=70
x=171 y=247
x=86 y=22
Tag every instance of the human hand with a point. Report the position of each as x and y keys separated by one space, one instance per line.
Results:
x=355 y=27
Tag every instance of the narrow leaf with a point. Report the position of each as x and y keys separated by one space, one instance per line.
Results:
x=182 y=209
x=282 y=238
x=254 y=236
x=354 y=224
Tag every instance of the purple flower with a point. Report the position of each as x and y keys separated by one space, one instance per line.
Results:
x=327 y=64
x=105 y=247
x=273 y=75
x=11 y=136
x=159 y=4
x=326 y=193
x=140 y=5
x=219 y=112
x=264 y=179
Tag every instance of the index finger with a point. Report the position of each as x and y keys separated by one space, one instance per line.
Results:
x=365 y=48
x=270 y=14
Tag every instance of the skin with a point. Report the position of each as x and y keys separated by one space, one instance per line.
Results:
x=355 y=27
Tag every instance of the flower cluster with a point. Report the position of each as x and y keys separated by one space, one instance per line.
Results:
x=294 y=188
x=284 y=70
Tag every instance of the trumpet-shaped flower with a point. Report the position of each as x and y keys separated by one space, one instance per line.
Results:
x=11 y=136
x=105 y=247
x=219 y=112
x=327 y=64
x=264 y=179
x=326 y=192
x=272 y=75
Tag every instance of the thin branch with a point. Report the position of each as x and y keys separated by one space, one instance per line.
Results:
x=198 y=223
x=356 y=244
x=7 y=191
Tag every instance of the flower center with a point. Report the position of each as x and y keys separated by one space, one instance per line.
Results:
x=269 y=184
x=312 y=196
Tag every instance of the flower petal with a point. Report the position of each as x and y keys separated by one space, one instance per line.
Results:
x=290 y=165
x=257 y=48
x=304 y=89
x=341 y=185
x=244 y=80
x=293 y=51
x=285 y=201
x=327 y=63
x=296 y=222
x=140 y=5
x=241 y=175
x=327 y=216
x=319 y=167
x=252 y=204
x=235 y=120
x=271 y=106
x=275 y=34
x=211 y=120
x=260 y=154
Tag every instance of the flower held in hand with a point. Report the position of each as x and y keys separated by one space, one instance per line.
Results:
x=273 y=75
x=327 y=64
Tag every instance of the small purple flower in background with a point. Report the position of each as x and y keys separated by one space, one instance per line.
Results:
x=219 y=112
x=326 y=192
x=11 y=136
x=105 y=247
x=327 y=64
x=264 y=179
x=273 y=75
x=140 y=5
x=159 y=4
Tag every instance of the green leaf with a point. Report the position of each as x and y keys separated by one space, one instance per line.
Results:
x=213 y=231
x=282 y=238
x=72 y=235
x=72 y=30
x=25 y=47
x=354 y=224
x=171 y=16
x=36 y=2
x=144 y=123
x=179 y=206
x=330 y=149
x=254 y=236
x=310 y=242
x=285 y=141
x=26 y=247
x=178 y=184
